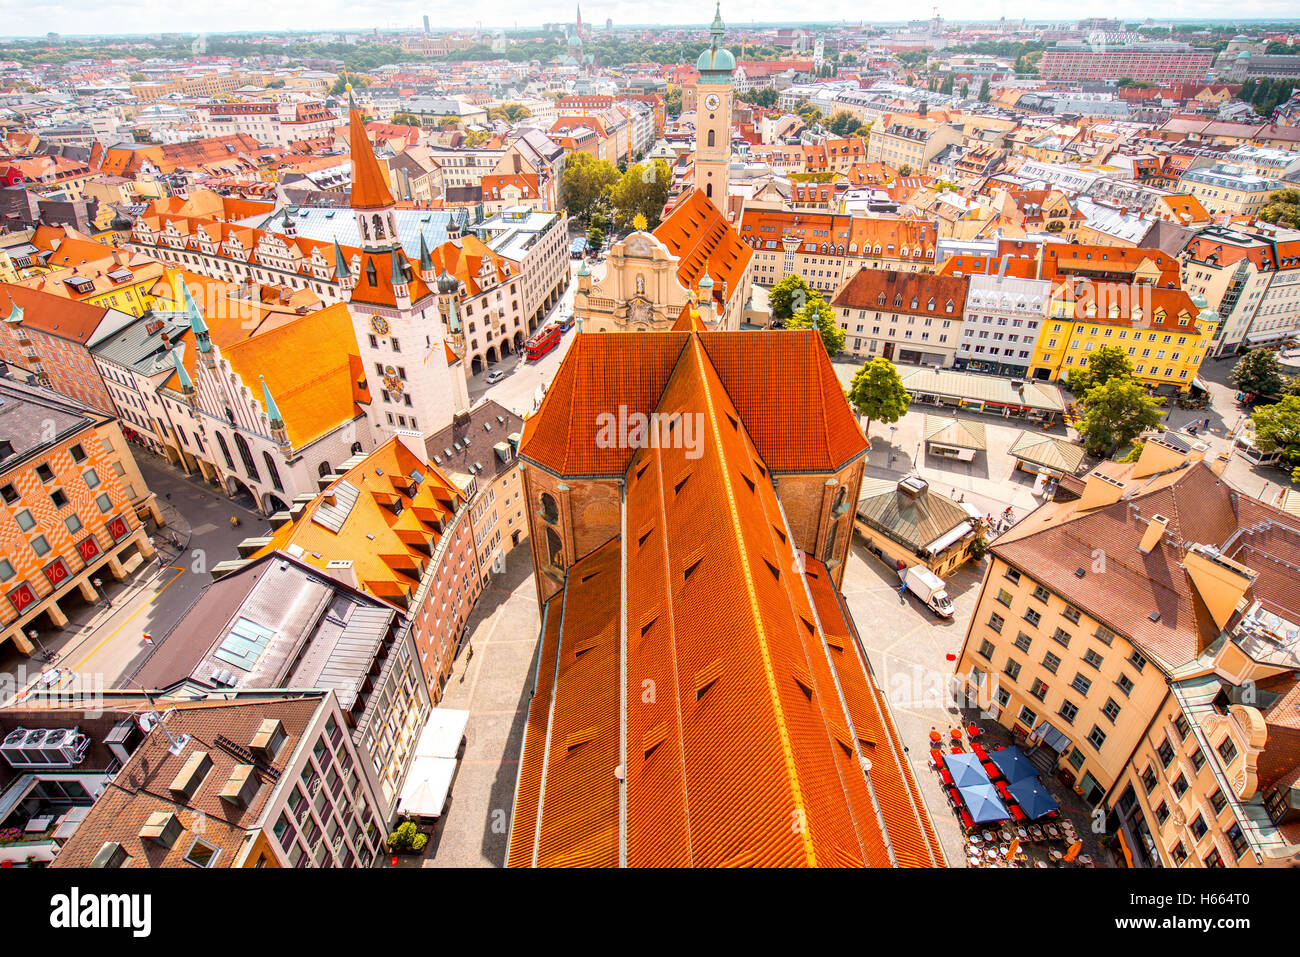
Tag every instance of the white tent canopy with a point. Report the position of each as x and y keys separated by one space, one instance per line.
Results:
x=428 y=782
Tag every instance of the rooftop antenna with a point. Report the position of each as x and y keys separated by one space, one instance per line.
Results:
x=175 y=745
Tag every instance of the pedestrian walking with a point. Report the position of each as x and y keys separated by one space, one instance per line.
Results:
x=902 y=594
x=1207 y=424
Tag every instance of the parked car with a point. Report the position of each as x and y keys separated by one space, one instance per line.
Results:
x=496 y=375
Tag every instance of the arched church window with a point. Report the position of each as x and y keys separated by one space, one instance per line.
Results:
x=711 y=132
x=550 y=511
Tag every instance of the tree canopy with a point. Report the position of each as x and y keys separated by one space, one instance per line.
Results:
x=1277 y=429
x=877 y=392
x=788 y=296
x=817 y=314
x=1282 y=207
x=1258 y=372
x=586 y=182
x=1115 y=413
x=641 y=191
x=1103 y=365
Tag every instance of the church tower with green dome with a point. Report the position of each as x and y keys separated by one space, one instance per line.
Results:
x=713 y=116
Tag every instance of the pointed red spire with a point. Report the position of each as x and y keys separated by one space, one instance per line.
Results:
x=369 y=187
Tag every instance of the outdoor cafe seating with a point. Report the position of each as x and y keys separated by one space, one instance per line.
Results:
x=1004 y=809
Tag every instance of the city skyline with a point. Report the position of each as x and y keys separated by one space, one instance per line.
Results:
x=190 y=17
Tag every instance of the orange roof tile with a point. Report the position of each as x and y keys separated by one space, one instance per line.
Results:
x=312 y=367
x=389 y=531
x=698 y=233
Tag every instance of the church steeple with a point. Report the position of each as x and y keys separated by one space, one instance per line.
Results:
x=370 y=199
x=275 y=419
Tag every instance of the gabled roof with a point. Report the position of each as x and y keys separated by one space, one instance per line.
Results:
x=313 y=368
x=810 y=429
x=53 y=315
x=697 y=232
x=377 y=517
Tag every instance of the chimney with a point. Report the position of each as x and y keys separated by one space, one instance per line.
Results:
x=1154 y=533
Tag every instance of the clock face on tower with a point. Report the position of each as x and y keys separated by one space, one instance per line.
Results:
x=379 y=325
x=711 y=101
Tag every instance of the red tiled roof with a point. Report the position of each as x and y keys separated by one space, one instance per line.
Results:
x=698 y=233
x=810 y=429
x=764 y=711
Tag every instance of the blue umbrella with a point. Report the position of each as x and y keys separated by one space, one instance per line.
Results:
x=1014 y=765
x=966 y=770
x=984 y=804
x=1033 y=798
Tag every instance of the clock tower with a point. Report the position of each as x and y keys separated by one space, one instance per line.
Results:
x=713 y=116
x=416 y=381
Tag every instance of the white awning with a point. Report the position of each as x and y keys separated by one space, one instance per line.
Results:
x=425 y=792
x=943 y=541
x=442 y=733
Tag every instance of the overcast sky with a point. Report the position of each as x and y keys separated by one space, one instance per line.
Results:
x=27 y=18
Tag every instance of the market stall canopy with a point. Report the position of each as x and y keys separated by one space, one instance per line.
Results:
x=434 y=766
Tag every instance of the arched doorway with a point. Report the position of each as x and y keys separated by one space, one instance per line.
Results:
x=476 y=365
x=324 y=469
x=356 y=448
x=505 y=348
x=272 y=503
x=519 y=341
x=491 y=355
x=241 y=493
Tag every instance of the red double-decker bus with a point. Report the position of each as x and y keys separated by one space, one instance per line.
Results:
x=543 y=341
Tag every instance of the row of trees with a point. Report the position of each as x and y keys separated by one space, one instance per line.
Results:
x=1265 y=95
x=598 y=194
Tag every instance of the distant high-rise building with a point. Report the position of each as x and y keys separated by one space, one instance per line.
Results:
x=426 y=23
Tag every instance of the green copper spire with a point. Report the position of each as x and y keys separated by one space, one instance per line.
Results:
x=195 y=316
x=272 y=411
x=453 y=316
x=15 y=312
x=426 y=259
x=399 y=269
x=717 y=28
x=187 y=384
x=340 y=262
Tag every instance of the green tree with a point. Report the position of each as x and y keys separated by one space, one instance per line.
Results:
x=586 y=182
x=641 y=190
x=341 y=84
x=595 y=241
x=1105 y=364
x=789 y=295
x=673 y=101
x=817 y=314
x=1258 y=372
x=1115 y=413
x=1277 y=429
x=1282 y=207
x=510 y=112
x=406 y=119
x=985 y=94
x=137 y=77
x=877 y=392
x=842 y=123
